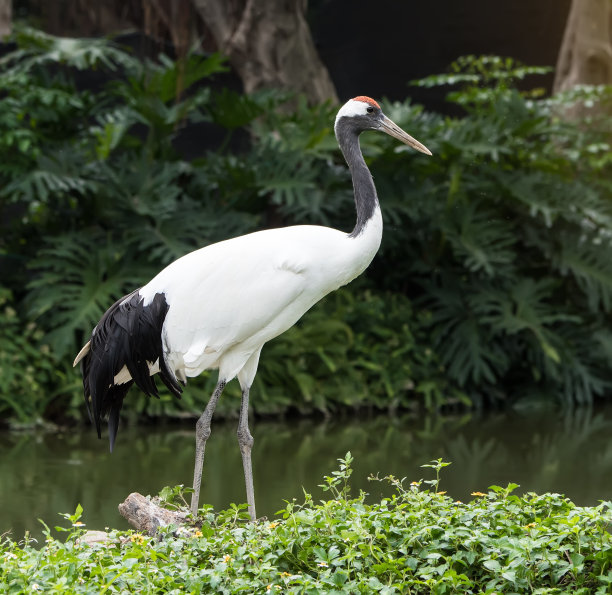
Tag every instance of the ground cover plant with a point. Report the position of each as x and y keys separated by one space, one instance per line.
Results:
x=493 y=283
x=417 y=540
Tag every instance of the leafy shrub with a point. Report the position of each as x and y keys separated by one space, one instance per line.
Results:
x=493 y=282
x=27 y=367
x=355 y=349
x=418 y=540
x=509 y=238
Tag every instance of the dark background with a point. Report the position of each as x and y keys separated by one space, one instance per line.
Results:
x=378 y=47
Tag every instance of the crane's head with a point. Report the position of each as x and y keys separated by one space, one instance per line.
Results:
x=363 y=113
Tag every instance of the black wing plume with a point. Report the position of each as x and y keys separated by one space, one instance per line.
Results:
x=129 y=334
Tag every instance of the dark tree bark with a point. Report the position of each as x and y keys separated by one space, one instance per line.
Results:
x=586 y=51
x=268 y=42
x=83 y=18
x=6 y=18
x=176 y=19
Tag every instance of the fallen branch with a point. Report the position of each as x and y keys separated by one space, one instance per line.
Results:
x=145 y=514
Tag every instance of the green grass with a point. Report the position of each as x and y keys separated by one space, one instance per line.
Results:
x=416 y=541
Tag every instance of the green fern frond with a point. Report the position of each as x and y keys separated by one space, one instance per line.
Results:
x=233 y=110
x=588 y=260
x=287 y=178
x=189 y=227
x=78 y=276
x=165 y=78
x=468 y=350
x=38 y=49
x=481 y=240
x=41 y=184
x=584 y=374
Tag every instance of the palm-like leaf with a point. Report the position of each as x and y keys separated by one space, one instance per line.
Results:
x=190 y=227
x=467 y=348
x=481 y=240
x=40 y=50
x=78 y=278
x=587 y=259
x=50 y=180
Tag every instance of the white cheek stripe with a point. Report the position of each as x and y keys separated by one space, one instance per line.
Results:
x=353 y=108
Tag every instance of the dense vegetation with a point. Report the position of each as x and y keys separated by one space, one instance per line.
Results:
x=418 y=540
x=493 y=283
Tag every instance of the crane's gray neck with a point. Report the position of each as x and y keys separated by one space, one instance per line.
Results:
x=366 y=200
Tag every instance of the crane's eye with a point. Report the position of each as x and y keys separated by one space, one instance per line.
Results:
x=369 y=109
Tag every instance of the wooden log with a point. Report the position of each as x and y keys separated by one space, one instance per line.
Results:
x=93 y=538
x=145 y=514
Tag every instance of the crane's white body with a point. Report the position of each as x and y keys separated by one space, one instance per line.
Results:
x=228 y=299
x=215 y=308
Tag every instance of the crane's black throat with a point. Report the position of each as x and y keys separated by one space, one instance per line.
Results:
x=348 y=130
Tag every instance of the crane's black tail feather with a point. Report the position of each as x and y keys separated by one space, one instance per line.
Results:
x=115 y=395
x=129 y=335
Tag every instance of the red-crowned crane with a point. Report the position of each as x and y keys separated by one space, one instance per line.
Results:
x=215 y=308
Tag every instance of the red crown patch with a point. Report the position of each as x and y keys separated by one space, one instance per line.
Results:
x=366 y=100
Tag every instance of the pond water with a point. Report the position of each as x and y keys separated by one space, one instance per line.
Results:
x=43 y=474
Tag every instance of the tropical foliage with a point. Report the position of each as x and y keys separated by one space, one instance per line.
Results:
x=493 y=283
x=26 y=366
x=418 y=540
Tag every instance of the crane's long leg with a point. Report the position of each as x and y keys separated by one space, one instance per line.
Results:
x=245 y=440
x=202 y=434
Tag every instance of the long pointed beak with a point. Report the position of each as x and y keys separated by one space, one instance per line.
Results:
x=392 y=129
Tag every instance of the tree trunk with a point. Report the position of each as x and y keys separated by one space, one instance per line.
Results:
x=586 y=50
x=6 y=18
x=268 y=42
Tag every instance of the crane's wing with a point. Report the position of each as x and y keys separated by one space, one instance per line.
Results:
x=224 y=311
x=237 y=293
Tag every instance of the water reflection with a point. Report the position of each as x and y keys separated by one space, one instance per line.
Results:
x=43 y=474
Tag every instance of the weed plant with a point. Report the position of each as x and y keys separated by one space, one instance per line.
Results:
x=418 y=540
